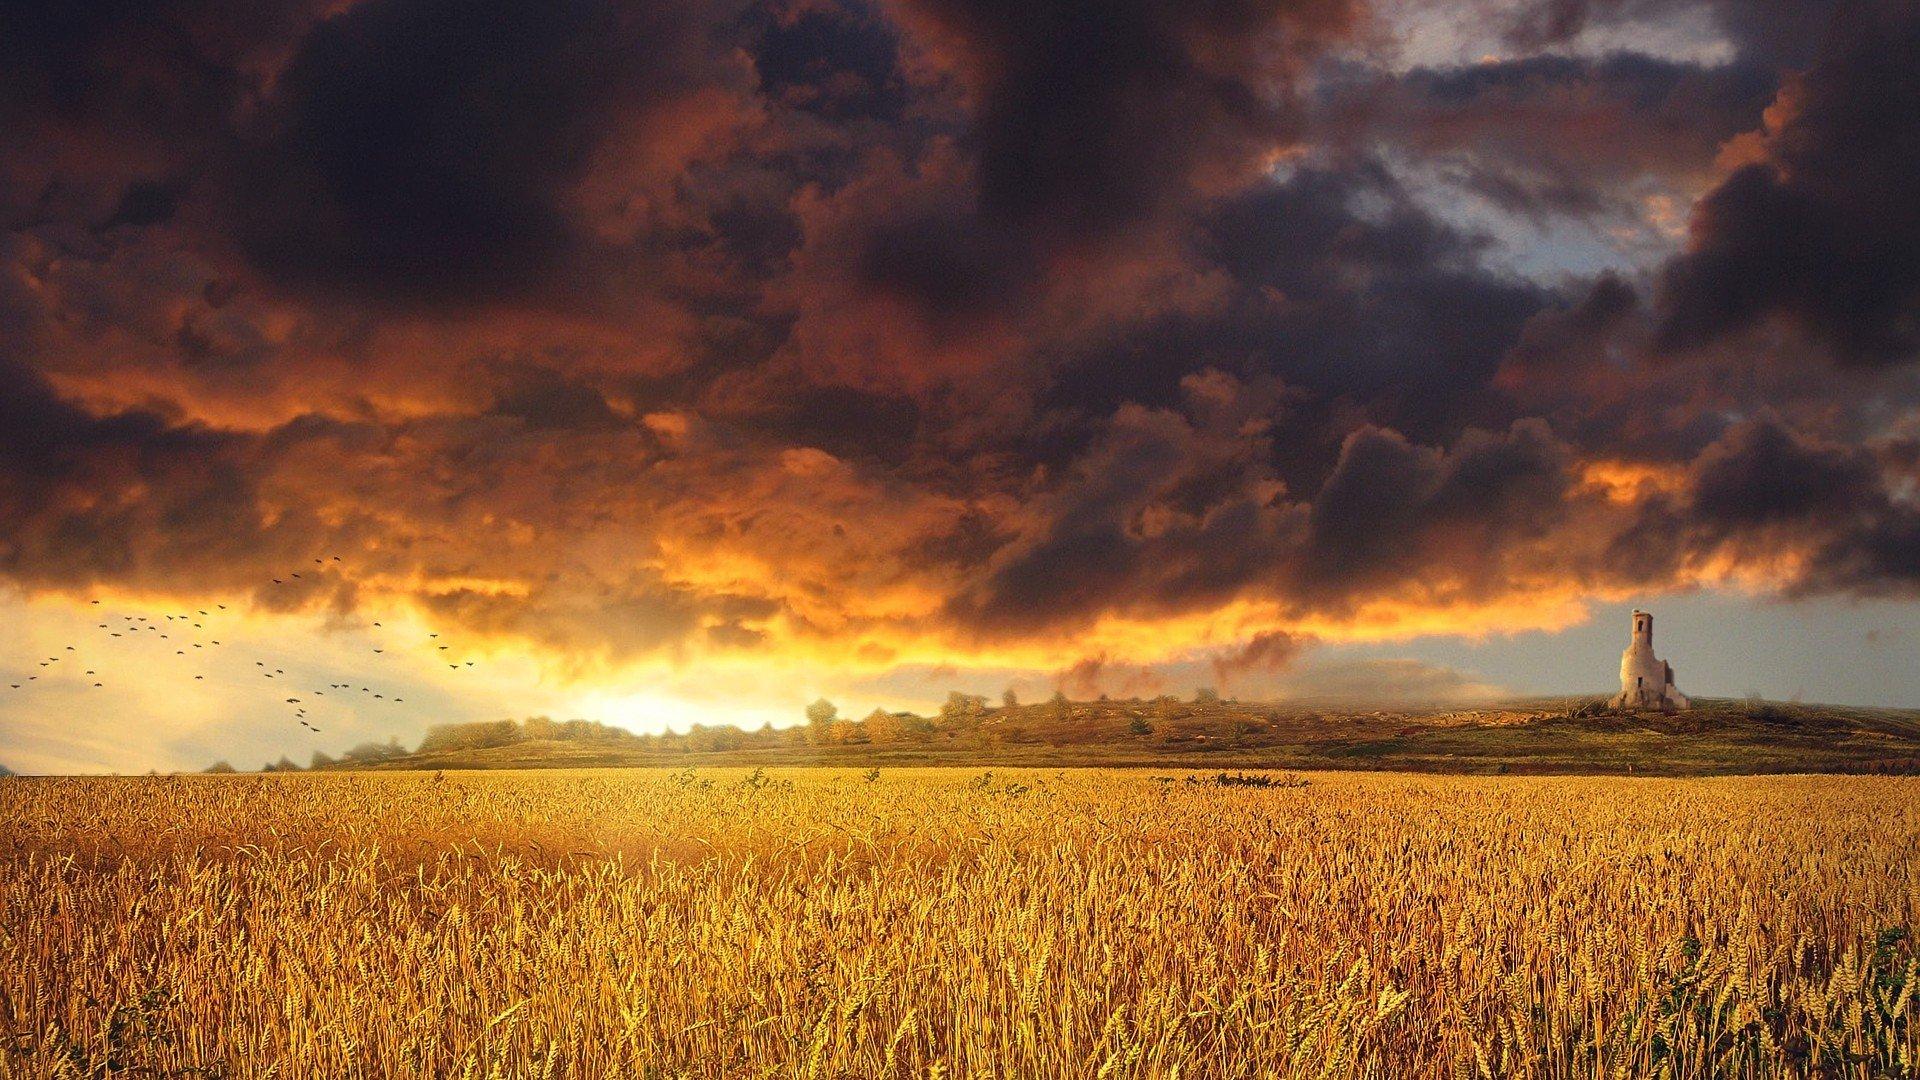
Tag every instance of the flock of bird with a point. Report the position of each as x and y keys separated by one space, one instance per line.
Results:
x=188 y=631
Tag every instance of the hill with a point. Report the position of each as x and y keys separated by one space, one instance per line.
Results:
x=1537 y=736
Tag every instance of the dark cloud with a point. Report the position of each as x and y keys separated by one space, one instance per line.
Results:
x=1090 y=117
x=844 y=420
x=1821 y=230
x=179 y=63
x=1825 y=517
x=1348 y=287
x=1167 y=516
x=146 y=203
x=1159 y=514
x=107 y=106
x=950 y=265
x=129 y=496
x=1578 y=334
x=1262 y=654
x=431 y=148
x=1392 y=513
x=873 y=332
x=543 y=397
x=1762 y=474
x=1099 y=676
x=1782 y=33
x=1334 y=284
x=1766 y=485
x=1879 y=560
x=1556 y=134
x=841 y=61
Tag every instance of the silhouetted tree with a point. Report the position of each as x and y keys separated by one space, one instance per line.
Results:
x=962 y=709
x=476 y=736
x=820 y=715
x=709 y=739
x=887 y=728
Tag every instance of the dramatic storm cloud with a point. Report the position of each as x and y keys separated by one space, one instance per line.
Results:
x=1092 y=345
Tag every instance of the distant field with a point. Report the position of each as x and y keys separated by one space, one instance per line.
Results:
x=1553 y=736
x=947 y=922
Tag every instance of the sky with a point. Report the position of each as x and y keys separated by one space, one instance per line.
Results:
x=676 y=363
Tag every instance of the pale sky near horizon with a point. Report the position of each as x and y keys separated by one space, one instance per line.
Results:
x=1829 y=652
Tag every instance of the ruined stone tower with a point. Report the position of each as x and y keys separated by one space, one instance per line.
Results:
x=1646 y=681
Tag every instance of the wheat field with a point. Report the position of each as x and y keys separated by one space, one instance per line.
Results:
x=954 y=923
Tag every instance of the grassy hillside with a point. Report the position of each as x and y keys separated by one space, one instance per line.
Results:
x=1557 y=736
